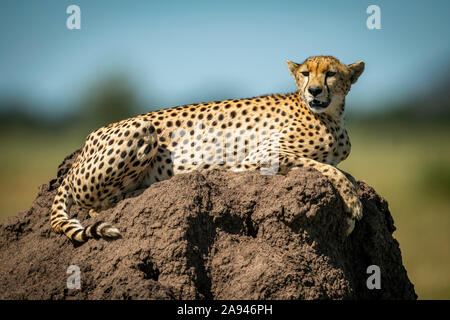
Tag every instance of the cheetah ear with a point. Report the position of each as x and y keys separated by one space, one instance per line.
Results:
x=292 y=66
x=356 y=69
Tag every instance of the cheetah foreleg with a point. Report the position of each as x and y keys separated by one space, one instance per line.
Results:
x=343 y=183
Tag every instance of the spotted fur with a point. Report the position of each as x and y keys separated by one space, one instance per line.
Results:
x=129 y=155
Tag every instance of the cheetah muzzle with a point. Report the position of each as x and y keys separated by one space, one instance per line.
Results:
x=316 y=105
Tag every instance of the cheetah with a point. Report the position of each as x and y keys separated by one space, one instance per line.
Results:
x=300 y=129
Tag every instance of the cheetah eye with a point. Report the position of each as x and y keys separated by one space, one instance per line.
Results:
x=305 y=73
x=331 y=74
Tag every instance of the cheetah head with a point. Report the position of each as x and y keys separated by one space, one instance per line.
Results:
x=323 y=81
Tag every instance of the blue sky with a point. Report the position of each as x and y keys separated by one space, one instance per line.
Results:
x=179 y=52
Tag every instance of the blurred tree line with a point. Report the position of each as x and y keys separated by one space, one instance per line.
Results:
x=111 y=99
x=431 y=104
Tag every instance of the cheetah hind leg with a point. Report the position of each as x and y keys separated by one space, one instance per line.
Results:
x=132 y=144
x=134 y=193
x=94 y=213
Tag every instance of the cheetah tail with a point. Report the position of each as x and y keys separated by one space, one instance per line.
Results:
x=72 y=228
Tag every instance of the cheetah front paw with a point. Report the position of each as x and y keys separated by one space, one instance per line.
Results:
x=354 y=208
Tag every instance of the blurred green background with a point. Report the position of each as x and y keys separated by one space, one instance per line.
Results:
x=57 y=85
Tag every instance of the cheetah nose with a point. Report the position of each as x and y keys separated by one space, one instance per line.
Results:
x=315 y=90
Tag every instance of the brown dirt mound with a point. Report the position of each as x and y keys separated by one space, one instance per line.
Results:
x=210 y=235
